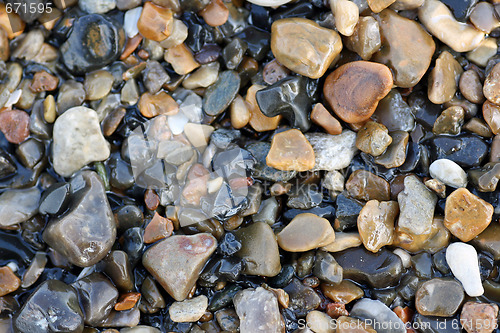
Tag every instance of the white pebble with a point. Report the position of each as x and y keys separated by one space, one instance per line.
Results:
x=177 y=122
x=13 y=98
x=189 y=310
x=463 y=262
x=405 y=257
x=130 y=21
x=448 y=172
x=13 y=266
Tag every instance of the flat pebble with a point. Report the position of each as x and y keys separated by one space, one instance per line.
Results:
x=448 y=172
x=290 y=151
x=332 y=152
x=463 y=262
x=439 y=297
x=306 y=232
x=376 y=224
x=379 y=314
x=188 y=311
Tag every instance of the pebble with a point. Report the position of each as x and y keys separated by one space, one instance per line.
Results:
x=437 y=238
x=448 y=172
x=43 y=81
x=486 y=178
x=9 y=282
x=450 y=121
x=319 y=322
x=466 y=150
x=155 y=22
x=14 y=124
x=479 y=127
x=353 y=325
x=240 y=115
x=343 y=240
x=130 y=93
x=177 y=37
x=18 y=205
x=394 y=113
x=395 y=154
x=322 y=117
x=273 y=71
x=127 y=301
x=35 y=269
x=383 y=318
x=188 y=311
x=376 y=224
x=78 y=140
x=466 y=215
x=259 y=151
x=443 y=79
x=437 y=186
x=219 y=95
x=294 y=237
x=97 y=6
x=259 y=249
x=130 y=20
x=215 y=14
x=118 y=267
x=203 y=77
x=346 y=15
x=87 y=231
x=373 y=138
x=365 y=40
x=154 y=76
x=181 y=59
x=160 y=103
x=417 y=204
x=302 y=298
x=332 y=152
x=290 y=150
x=479 y=317
x=463 y=262
x=440 y=22
x=344 y=292
x=98 y=84
x=28 y=46
x=71 y=93
x=95 y=53
x=177 y=261
x=303 y=46
x=491 y=85
x=326 y=268
x=52 y=307
x=4 y=45
x=258 y=311
x=491 y=114
x=342 y=92
x=440 y=297
x=481 y=54
x=364 y=185
x=159 y=228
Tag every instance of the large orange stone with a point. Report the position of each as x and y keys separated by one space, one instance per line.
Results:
x=289 y=151
x=156 y=23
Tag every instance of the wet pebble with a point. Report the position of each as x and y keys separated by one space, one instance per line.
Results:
x=448 y=172
x=395 y=154
x=14 y=124
x=376 y=224
x=479 y=317
x=379 y=314
x=9 y=282
x=443 y=79
x=463 y=262
x=18 y=205
x=188 y=311
x=219 y=96
x=290 y=151
x=466 y=150
x=364 y=185
x=332 y=152
x=320 y=232
x=439 y=297
x=258 y=311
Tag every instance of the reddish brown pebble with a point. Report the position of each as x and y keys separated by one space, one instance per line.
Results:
x=9 y=282
x=43 y=81
x=274 y=71
x=479 y=317
x=112 y=120
x=405 y=314
x=353 y=90
x=336 y=310
x=153 y=105
x=14 y=124
x=127 y=301
x=215 y=14
x=196 y=186
x=132 y=44
x=491 y=114
x=322 y=117
x=156 y=23
x=151 y=199
x=160 y=227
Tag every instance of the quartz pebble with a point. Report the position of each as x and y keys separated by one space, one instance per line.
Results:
x=332 y=152
x=346 y=16
x=240 y=115
x=215 y=14
x=379 y=314
x=373 y=138
x=448 y=172
x=444 y=77
x=306 y=232
x=152 y=105
x=258 y=311
x=343 y=240
x=376 y=224
x=97 y=84
x=181 y=59
x=290 y=150
x=434 y=240
x=466 y=215
x=439 y=297
x=479 y=317
x=344 y=292
x=463 y=262
x=188 y=311
x=491 y=85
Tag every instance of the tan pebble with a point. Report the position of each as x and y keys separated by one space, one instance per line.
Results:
x=365 y=40
x=112 y=120
x=9 y=282
x=344 y=292
x=373 y=138
x=471 y=87
x=305 y=232
x=395 y=155
x=160 y=103
x=4 y=45
x=11 y=22
x=155 y=22
x=159 y=228
x=491 y=87
x=378 y=5
x=450 y=121
x=346 y=16
x=364 y=185
x=481 y=54
x=376 y=224
x=346 y=324
x=437 y=186
x=444 y=77
x=49 y=109
x=343 y=240
x=240 y=116
x=478 y=126
x=491 y=114
x=178 y=36
x=322 y=117
x=215 y=13
x=258 y=120
x=181 y=59
x=98 y=84
x=436 y=239
x=290 y=151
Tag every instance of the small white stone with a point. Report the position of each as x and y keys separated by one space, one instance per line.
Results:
x=334 y=181
x=214 y=184
x=448 y=172
x=405 y=257
x=13 y=266
x=463 y=262
x=130 y=21
x=97 y=6
x=188 y=311
x=258 y=311
x=13 y=98
x=320 y=322
x=269 y=3
x=177 y=122
x=332 y=152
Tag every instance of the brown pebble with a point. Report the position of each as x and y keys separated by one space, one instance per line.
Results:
x=364 y=185
x=289 y=151
x=151 y=199
x=240 y=115
x=9 y=282
x=405 y=314
x=258 y=121
x=479 y=317
x=160 y=103
x=491 y=114
x=156 y=22
x=353 y=90
x=444 y=78
x=131 y=46
x=233 y=223
x=14 y=124
x=112 y=120
x=491 y=87
x=376 y=224
x=336 y=310
x=274 y=71
x=4 y=45
x=436 y=186
x=215 y=13
x=311 y=281
x=344 y=292
x=43 y=81
x=11 y=22
x=143 y=54
x=471 y=87
x=196 y=186
x=322 y=117
x=478 y=126
x=181 y=59
x=373 y=138
x=395 y=154
x=49 y=109
x=127 y=301
x=495 y=149
x=159 y=228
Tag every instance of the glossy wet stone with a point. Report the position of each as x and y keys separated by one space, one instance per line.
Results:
x=14 y=124
x=258 y=311
x=187 y=254
x=332 y=152
x=466 y=150
x=373 y=138
x=219 y=95
x=347 y=212
x=380 y=315
x=19 y=205
x=102 y=41
x=342 y=89
x=471 y=86
x=296 y=39
x=155 y=22
x=437 y=238
x=326 y=268
x=443 y=79
x=71 y=93
x=448 y=172
x=378 y=270
x=486 y=178
x=9 y=282
x=394 y=113
x=318 y=230
x=404 y=39
x=364 y=185
x=117 y=266
x=344 y=292
x=181 y=59
x=450 y=121
x=302 y=298
x=365 y=40
x=439 y=297
x=479 y=317
x=290 y=151
x=322 y=117
x=86 y=232
x=52 y=307
x=189 y=310
x=463 y=262
x=376 y=224
x=395 y=154
x=289 y=98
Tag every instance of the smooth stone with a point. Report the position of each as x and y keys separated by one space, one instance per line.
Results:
x=203 y=77
x=177 y=261
x=228 y=320
x=290 y=151
x=188 y=311
x=155 y=22
x=346 y=15
x=376 y=224
x=15 y=125
x=322 y=117
x=326 y=268
x=18 y=205
x=365 y=40
x=394 y=113
x=87 y=231
x=382 y=317
x=439 y=297
x=9 y=282
x=268 y=211
x=302 y=298
x=97 y=84
x=219 y=96
x=258 y=311
x=479 y=127
x=52 y=307
x=347 y=212
x=444 y=78
x=319 y=322
x=344 y=292
x=119 y=269
x=304 y=198
x=471 y=86
x=466 y=215
x=437 y=238
x=450 y=121
x=262 y=171
x=364 y=185
x=240 y=115
x=78 y=140
x=71 y=93
x=406 y=48
x=154 y=76
x=343 y=241
x=306 y=232
x=395 y=154
x=35 y=269
x=373 y=138
x=233 y=53
x=466 y=150
x=342 y=89
x=463 y=262
x=448 y=172
x=258 y=121
x=491 y=84
x=436 y=324
x=332 y=152
x=353 y=325
x=379 y=270
x=303 y=46
x=289 y=98
x=140 y=329
x=479 y=317
x=486 y=178
x=259 y=250
x=491 y=114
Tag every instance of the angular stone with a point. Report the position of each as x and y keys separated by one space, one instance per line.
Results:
x=326 y=268
x=87 y=231
x=258 y=121
x=303 y=46
x=155 y=22
x=437 y=238
x=466 y=150
x=258 y=311
x=259 y=150
x=177 y=261
x=373 y=138
x=417 y=204
x=78 y=140
x=466 y=215
x=491 y=114
x=181 y=58
x=479 y=317
x=290 y=151
x=444 y=77
x=344 y=292
x=189 y=310
x=219 y=95
x=365 y=40
x=322 y=117
x=306 y=232
x=342 y=89
x=302 y=298
x=406 y=48
x=364 y=185
x=18 y=205
x=9 y=282
x=394 y=113
x=381 y=316
x=259 y=250
x=347 y=212
x=395 y=154
x=463 y=262
x=448 y=172
x=376 y=224
x=332 y=152
x=450 y=121
x=439 y=297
